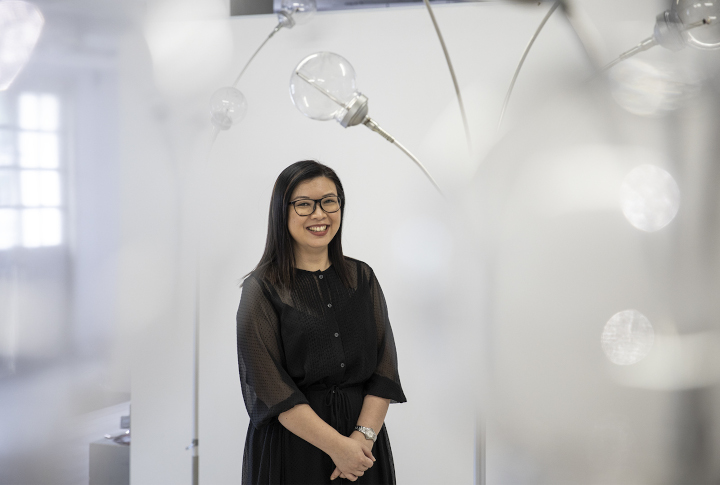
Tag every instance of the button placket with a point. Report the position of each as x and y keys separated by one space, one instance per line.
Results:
x=332 y=321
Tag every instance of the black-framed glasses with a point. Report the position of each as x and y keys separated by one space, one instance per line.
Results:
x=305 y=207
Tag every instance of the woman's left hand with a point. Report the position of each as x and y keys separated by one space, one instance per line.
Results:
x=356 y=435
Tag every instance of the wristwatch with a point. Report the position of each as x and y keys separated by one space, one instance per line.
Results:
x=368 y=432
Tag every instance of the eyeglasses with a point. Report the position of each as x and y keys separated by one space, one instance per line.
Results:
x=305 y=207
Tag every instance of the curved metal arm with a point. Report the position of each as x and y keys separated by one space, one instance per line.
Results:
x=522 y=59
x=372 y=124
x=642 y=46
x=275 y=31
x=452 y=74
x=648 y=43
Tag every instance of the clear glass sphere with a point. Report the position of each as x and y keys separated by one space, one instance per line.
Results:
x=322 y=86
x=227 y=107
x=627 y=337
x=650 y=197
x=692 y=11
x=300 y=10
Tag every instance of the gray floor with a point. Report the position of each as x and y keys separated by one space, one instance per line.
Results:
x=48 y=418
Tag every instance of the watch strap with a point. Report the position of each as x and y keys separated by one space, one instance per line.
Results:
x=368 y=432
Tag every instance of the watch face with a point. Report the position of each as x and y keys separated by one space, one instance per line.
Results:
x=368 y=432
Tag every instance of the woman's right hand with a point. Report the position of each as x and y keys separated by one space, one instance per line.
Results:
x=351 y=459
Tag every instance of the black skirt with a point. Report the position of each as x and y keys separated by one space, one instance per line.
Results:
x=280 y=457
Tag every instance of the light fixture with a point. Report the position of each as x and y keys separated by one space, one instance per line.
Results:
x=228 y=105
x=20 y=27
x=627 y=337
x=322 y=87
x=650 y=198
x=685 y=23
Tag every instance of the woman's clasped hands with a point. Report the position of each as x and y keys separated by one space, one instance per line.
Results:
x=352 y=458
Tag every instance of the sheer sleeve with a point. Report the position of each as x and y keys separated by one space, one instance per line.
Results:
x=385 y=381
x=267 y=388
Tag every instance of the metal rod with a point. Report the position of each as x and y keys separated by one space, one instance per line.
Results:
x=275 y=31
x=522 y=59
x=372 y=124
x=194 y=447
x=648 y=43
x=452 y=74
x=320 y=88
x=642 y=46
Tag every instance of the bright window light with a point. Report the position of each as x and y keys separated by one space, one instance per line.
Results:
x=49 y=150
x=8 y=228
x=38 y=150
x=39 y=112
x=28 y=147
x=9 y=193
x=29 y=111
x=41 y=227
x=40 y=188
x=31 y=182
x=7 y=148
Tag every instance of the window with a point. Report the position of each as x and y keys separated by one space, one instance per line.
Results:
x=31 y=175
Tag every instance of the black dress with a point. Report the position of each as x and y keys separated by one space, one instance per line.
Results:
x=321 y=344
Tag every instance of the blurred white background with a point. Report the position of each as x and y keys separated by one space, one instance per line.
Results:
x=504 y=300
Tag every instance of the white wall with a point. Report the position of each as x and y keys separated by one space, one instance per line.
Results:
x=394 y=220
x=400 y=67
x=428 y=257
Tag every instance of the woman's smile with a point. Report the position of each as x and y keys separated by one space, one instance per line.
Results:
x=319 y=230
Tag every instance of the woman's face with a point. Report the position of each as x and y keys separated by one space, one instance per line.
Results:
x=314 y=232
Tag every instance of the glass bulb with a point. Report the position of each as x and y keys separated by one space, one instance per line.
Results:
x=689 y=22
x=627 y=337
x=650 y=198
x=296 y=12
x=692 y=12
x=227 y=107
x=20 y=27
x=322 y=86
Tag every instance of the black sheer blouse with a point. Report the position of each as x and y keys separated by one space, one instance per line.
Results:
x=321 y=344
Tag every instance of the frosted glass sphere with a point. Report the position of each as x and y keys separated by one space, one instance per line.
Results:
x=299 y=11
x=227 y=107
x=692 y=11
x=322 y=86
x=20 y=26
x=627 y=337
x=645 y=89
x=650 y=197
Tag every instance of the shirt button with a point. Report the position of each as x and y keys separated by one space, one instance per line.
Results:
x=342 y=365
x=321 y=276
x=337 y=334
x=329 y=305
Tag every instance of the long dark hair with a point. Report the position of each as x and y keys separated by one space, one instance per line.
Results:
x=277 y=263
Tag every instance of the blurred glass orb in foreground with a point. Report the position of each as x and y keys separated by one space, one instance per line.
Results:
x=646 y=90
x=650 y=197
x=227 y=107
x=627 y=337
x=20 y=26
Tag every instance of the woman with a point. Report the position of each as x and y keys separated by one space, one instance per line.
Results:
x=316 y=352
